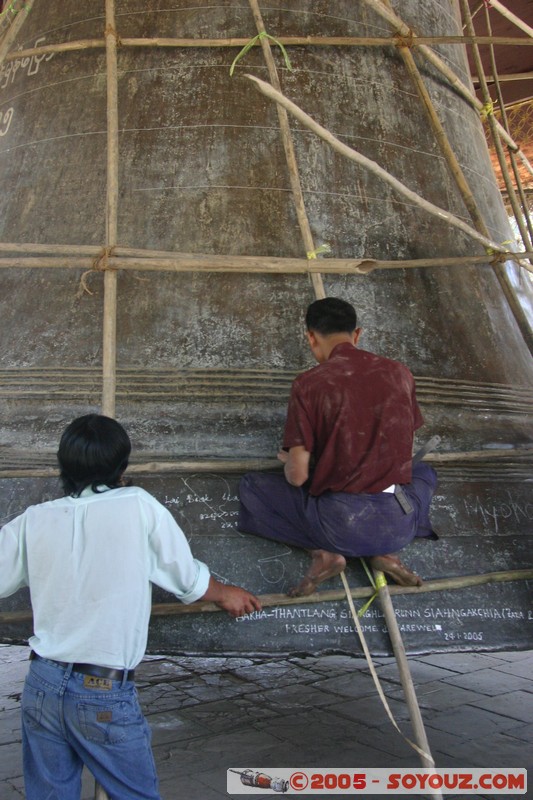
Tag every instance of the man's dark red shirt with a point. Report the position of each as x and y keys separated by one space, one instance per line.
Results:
x=356 y=413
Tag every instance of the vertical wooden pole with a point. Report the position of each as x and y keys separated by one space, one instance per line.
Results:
x=109 y=346
x=403 y=668
x=290 y=155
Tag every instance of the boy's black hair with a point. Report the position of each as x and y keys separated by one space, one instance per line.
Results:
x=331 y=315
x=93 y=451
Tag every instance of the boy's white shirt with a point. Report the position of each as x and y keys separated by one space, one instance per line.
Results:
x=90 y=563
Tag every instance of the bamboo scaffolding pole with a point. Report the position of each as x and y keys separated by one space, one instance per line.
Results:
x=506 y=77
x=443 y=142
x=11 y=33
x=466 y=193
x=290 y=155
x=60 y=249
x=406 y=679
x=467 y=17
x=325 y=596
x=512 y=157
x=238 y=465
x=504 y=11
x=372 y=166
x=253 y=264
x=520 y=315
x=109 y=346
x=287 y=41
x=406 y=33
x=109 y=335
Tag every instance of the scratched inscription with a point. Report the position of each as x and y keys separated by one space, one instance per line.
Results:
x=494 y=514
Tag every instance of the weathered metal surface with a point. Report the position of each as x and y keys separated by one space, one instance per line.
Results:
x=205 y=361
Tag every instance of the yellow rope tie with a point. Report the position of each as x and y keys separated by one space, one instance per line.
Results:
x=12 y=8
x=100 y=264
x=376 y=584
x=253 y=42
x=498 y=256
x=487 y=110
x=323 y=248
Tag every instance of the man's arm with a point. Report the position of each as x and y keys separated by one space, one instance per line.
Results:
x=295 y=464
x=233 y=599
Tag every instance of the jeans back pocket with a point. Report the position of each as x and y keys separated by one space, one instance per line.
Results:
x=103 y=723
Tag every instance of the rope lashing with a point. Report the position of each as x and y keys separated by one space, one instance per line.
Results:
x=110 y=31
x=253 y=42
x=405 y=40
x=100 y=264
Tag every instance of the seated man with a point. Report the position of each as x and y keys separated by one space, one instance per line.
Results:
x=349 y=487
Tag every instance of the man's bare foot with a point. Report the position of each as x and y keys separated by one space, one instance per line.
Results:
x=392 y=566
x=324 y=565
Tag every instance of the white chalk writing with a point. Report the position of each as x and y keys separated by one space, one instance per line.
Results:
x=207 y=506
x=480 y=613
x=9 y=70
x=5 y=121
x=310 y=621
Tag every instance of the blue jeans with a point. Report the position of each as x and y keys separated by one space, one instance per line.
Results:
x=67 y=723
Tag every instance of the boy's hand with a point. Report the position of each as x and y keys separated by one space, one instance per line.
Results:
x=233 y=599
x=237 y=601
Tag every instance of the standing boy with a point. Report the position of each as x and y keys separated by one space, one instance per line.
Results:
x=349 y=487
x=89 y=560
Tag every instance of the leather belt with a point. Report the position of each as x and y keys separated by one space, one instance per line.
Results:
x=89 y=669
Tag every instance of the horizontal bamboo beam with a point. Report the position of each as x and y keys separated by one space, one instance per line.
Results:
x=216 y=465
x=506 y=77
x=287 y=41
x=56 y=249
x=193 y=262
x=326 y=596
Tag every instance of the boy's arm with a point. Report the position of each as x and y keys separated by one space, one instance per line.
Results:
x=12 y=558
x=233 y=599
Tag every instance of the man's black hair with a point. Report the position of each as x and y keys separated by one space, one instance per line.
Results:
x=93 y=451
x=331 y=315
